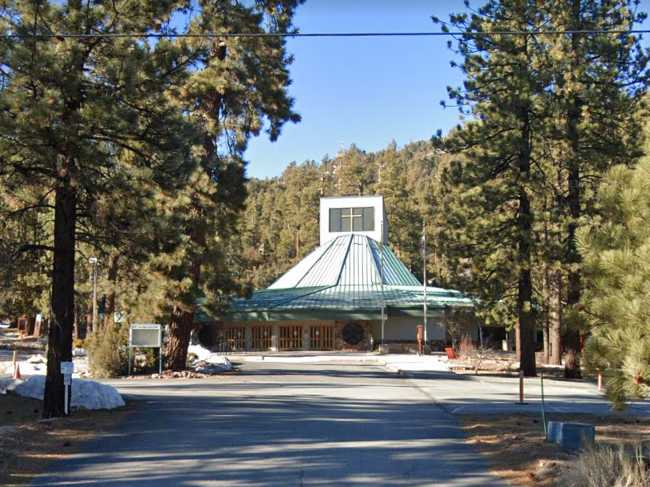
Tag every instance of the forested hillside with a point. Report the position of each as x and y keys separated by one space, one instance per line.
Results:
x=280 y=221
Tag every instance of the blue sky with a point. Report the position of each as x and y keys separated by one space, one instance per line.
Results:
x=366 y=91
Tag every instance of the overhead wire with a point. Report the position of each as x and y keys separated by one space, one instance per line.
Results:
x=64 y=35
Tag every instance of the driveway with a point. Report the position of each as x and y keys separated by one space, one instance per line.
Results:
x=279 y=424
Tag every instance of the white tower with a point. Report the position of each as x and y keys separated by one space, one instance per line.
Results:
x=363 y=215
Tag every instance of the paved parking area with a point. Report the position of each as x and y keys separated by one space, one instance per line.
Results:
x=499 y=394
x=279 y=424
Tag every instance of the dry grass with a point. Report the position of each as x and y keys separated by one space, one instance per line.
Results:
x=517 y=451
x=610 y=467
x=28 y=444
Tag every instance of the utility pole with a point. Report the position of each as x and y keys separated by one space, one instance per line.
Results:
x=424 y=280
x=381 y=276
x=93 y=263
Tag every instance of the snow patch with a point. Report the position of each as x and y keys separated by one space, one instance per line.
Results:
x=415 y=363
x=37 y=365
x=212 y=365
x=86 y=394
x=208 y=362
x=199 y=351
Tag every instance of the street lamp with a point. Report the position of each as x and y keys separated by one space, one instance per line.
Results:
x=93 y=263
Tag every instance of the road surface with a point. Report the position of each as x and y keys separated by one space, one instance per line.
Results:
x=278 y=424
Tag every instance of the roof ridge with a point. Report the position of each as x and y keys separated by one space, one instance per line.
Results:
x=345 y=258
x=331 y=242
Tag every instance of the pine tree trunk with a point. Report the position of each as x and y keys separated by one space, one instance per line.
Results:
x=546 y=292
x=546 y=351
x=517 y=341
x=572 y=342
x=525 y=293
x=59 y=346
x=555 y=321
x=524 y=226
x=180 y=331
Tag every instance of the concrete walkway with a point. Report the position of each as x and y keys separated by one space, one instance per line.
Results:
x=279 y=424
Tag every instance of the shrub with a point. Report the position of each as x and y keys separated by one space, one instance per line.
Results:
x=107 y=351
x=604 y=466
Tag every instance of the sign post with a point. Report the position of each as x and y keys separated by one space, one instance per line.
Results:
x=67 y=368
x=146 y=335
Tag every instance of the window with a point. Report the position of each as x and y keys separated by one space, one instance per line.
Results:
x=352 y=219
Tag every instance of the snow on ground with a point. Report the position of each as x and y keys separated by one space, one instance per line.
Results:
x=37 y=365
x=410 y=362
x=344 y=358
x=199 y=351
x=394 y=361
x=208 y=362
x=86 y=394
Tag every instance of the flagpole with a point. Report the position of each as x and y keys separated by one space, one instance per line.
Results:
x=424 y=279
x=381 y=276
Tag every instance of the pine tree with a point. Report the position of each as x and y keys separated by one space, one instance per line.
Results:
x=77 y=116
x=236 y=88
x=353 y=173
x=597 y=82
x=503 y=87
x=616 y=253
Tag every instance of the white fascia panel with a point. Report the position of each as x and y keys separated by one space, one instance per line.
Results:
x=377 y=202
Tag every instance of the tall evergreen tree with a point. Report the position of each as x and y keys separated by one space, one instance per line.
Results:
x=598 y=80
x=616 y=252
x=235 y=88
x=77 y=116
x=503 y=84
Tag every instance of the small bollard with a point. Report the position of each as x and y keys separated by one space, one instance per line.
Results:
x=521 y=387
x=600 y=382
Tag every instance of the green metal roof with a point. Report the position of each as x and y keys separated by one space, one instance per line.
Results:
x=343 y=278
x=348 y=260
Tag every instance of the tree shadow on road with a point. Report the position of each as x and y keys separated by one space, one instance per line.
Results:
x=316 y=431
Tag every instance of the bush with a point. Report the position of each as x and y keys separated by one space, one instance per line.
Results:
x=107 y=351
x=605 y=466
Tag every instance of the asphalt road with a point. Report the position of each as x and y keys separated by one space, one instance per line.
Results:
x=278 y=424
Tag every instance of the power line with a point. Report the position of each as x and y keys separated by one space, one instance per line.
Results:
x=210 y=35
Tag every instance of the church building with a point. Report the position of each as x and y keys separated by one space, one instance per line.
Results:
x=350 y=293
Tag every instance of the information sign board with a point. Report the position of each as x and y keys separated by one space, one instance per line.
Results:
x=145 y=335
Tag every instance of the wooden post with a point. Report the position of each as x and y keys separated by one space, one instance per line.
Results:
x=521 y=386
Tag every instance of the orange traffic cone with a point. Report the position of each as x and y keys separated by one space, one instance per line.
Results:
x=17 y=372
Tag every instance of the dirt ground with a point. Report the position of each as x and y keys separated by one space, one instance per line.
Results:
x=28 y=443
x=517 y=451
